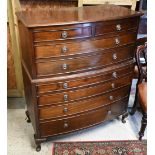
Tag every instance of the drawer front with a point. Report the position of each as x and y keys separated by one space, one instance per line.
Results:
x=64 y=34
x=115 y=26
x=84 y=81
x=64 y=97
x=80 y=64
x=52 y=112
x=68 y=49
x=88 y=119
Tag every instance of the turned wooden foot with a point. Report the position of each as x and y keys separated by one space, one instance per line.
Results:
x=38 y=147
x=38 y=142
x=143 y=126
x=28 y=117
x=125 y=115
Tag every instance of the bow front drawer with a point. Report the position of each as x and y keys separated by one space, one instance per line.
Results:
x=83 y=47
x=82 y=93
x=70 y=124
x=52 y=112
x=61 y=33
x=83 y=81
x=87 y=119
x=81 y=64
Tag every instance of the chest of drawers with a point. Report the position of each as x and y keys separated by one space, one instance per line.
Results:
x=77 y=66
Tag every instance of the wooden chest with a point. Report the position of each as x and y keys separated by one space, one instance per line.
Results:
x=77 y=66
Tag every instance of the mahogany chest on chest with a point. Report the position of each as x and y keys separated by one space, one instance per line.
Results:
x=77 y=66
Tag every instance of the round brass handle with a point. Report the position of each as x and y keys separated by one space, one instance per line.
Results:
x=114 y=56
x=117 y=41
x=64 y=34
x=65 y=97
x=109 y=112
x=113 y=85
x=65 y=125
x=111 y=98
x=65 y=85
x=118 y=27
x=64 y=66
x=65 y=110
x=114 y=74
x=64 y=49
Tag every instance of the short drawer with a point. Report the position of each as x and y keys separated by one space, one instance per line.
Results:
x=88 y=119
x=81 y=64
x=62 y=34
x=83 y=47
x=52 y=112
x=84 y=81
x=82 y=93
x=115 y=26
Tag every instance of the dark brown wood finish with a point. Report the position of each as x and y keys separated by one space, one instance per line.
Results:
x=30 y=97
x=59 y=126
x=82 y=47
x=66 y=96
x=49 y=34
x=80 y=64
x=71 y=124
x=77 y=66
x=116 y=26
x=97 y=101
x=85 y=80
x=63 y=16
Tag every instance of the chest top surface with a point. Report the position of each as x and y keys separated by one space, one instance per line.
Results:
x=42 y=17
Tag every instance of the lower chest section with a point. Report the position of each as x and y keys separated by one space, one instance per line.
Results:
x=76 y=103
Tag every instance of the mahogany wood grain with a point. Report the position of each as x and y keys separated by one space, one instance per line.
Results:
x=59 y=126
x=31 y=103
x=83 y=47
x=83 y=81
x=26 y=43
x=102 y=28
x=53 y=112
x=28 y=5
x=83 y=63
x=46 y=17
x=82 y=93
x=77 y=66
x=83 y=30
x=69 y=33
x=70 y=124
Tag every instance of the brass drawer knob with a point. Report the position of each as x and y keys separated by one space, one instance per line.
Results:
x=109 y=112
x=118 y=27
x=65 y=110
x=111 y=98
x=64 y=49
x=65 y=97
x=65 y=125
x=114 y=56
x=117 y=41
x=64 y=66
x=114 y=74
x=65 y=85
x=113 y=85
x=64 y=34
